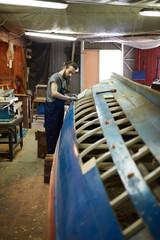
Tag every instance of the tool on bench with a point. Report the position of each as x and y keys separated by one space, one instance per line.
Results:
x=7 y=105
x=110 y=90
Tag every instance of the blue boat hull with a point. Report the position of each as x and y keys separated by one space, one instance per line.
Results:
x=104 y=164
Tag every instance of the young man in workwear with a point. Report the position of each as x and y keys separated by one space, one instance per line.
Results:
x=54 y=108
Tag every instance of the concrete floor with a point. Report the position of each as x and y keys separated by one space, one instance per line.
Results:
x=23 y=193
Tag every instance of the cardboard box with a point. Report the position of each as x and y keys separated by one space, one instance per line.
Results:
x=40 y=136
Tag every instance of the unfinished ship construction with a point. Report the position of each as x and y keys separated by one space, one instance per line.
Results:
x=105 y=181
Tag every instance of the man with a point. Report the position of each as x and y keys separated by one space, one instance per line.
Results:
x=54 y=108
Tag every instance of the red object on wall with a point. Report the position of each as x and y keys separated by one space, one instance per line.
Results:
x=149 y=56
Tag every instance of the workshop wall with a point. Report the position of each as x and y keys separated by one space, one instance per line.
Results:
x=38 y=64
x=18 y=70
x=61 y=51
x=147 y=60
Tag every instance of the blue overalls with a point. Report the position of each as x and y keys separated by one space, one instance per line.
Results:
x=54 y=113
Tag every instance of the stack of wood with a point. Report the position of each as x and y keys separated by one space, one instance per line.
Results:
x=47 y=167
x=41 y=143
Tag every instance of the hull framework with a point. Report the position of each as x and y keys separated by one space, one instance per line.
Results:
x=107 y=169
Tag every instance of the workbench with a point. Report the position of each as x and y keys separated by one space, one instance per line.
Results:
x=8 y=131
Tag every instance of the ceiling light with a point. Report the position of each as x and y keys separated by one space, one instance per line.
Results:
x=51 y=36
x=33 y=3
x=150 y=12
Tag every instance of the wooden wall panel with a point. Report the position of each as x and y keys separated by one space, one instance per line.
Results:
x=150 y=59
x=4 y=70
x=18 y=66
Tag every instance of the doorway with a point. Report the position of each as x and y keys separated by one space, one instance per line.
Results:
x=91 y=68
x=109 y=61
x=98 y=65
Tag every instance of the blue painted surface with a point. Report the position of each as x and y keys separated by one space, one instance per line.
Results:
x=5 y=115
x=144 y=115
x=151 y=94
x=146 y=121
x=82 y=209
x=139 y=192
x=139 y=75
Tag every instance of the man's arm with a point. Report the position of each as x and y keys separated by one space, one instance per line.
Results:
x=56 y=94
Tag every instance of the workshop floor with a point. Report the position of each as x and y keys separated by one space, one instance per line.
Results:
x=23 y=193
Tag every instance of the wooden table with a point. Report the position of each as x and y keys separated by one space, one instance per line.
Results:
x=9 y=129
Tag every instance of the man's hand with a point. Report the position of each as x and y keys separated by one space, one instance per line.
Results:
x=73 y=98
x=74 y=95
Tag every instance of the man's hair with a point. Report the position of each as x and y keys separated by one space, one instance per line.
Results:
x=70 y=63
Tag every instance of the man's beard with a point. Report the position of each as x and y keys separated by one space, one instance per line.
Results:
x=65 y=76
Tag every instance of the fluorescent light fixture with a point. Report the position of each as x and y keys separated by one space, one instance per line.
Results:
x=51 y=36
x=150 y=12
x=33 y=3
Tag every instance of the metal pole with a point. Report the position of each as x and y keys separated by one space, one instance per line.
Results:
x=82 y=67
x=122 y=59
